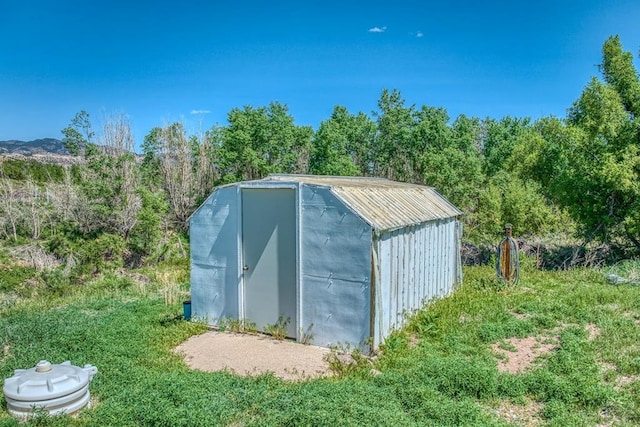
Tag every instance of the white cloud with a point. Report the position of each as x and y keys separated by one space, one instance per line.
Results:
x=200 y=111
x=378 y=29
x=419 y=34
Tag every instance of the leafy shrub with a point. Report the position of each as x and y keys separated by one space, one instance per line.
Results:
x=113 y=282
x=31 y=169
x=144 y=239
x=512 y=327
x=344 y=363
x=56 y=282
x=461 y=377
x=14 y=277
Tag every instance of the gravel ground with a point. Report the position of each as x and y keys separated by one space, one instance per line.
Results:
x=254 y=355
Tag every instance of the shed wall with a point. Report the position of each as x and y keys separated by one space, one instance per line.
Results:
x=336 y=269
x=337 y=247
x=415 y=264
x=215 y=275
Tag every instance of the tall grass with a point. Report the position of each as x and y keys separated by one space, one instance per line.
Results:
x=439 y=370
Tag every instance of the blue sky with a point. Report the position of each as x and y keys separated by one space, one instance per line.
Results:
x=193 y=61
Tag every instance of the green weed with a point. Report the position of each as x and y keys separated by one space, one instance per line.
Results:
x=306 y=335
x=13 y=278
x=278 y=330
x=237 y=325
x=345 y=362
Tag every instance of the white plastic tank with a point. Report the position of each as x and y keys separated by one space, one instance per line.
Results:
x=57 y=389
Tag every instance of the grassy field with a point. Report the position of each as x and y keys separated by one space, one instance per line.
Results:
x=442 y=369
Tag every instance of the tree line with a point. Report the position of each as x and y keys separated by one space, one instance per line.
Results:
x=571 y=176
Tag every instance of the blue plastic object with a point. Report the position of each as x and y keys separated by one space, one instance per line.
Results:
x=186 y=310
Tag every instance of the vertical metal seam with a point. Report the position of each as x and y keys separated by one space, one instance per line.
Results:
x=240 y=255
x=299 y=231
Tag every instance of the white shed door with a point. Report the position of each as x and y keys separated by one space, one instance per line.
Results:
x=269 y=257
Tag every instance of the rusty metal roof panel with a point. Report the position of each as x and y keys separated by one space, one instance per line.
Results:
x=385 y=204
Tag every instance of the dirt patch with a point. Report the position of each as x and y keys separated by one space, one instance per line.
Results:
x=527 y=415
x=413 y=341
x=254 y=355
x=593 y=331
x=632 y=316
x=6 y=351
x=519 y=316
x=604 y=366
x=624 y=380
x=518 y=354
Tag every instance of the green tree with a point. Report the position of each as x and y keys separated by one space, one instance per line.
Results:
x=342 y=144
x=395 y=152
x=78 y=136
x=618 y=70
x=151 y=160
x=260 y=141
x=499 y=140
x=146 y=236
x=597 y=155
x=451 y=161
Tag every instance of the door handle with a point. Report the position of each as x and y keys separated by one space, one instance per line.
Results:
x=245 y=268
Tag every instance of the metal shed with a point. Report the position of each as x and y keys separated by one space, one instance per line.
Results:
x=343 y=259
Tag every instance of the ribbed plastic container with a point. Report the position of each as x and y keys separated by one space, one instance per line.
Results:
x=57 y=389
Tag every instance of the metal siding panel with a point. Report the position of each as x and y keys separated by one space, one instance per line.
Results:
x=445 y=256
x=439 y=259
x=445 y=259
x=421 y=264
x=418 y=265
x=406 y=243
x=402 y=266
x=393 y=283
x=449 y=250
x=336 y=269
x=415 y=272
x=398 y=294
x=450 y=236
x=214 y=275
x=451 y=233
x=409 y=271
x=418 y=257
x=458 y=244
x=385 y=280
x=441 y=262
x=377 y=293
x=427 y=262
x=432 y=260
x=425 y=276
x=338 y=312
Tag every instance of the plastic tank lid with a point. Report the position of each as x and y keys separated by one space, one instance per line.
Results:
x=47 y=381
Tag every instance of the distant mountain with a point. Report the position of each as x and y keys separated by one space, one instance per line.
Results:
x=29 y=148
x=46 y=150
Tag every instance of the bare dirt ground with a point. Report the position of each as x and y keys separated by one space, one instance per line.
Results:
x=517 y=355
x=520 y=353
x=254 y=355
x=527 y=415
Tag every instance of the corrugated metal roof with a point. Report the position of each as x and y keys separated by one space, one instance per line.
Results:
x=385 y=204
